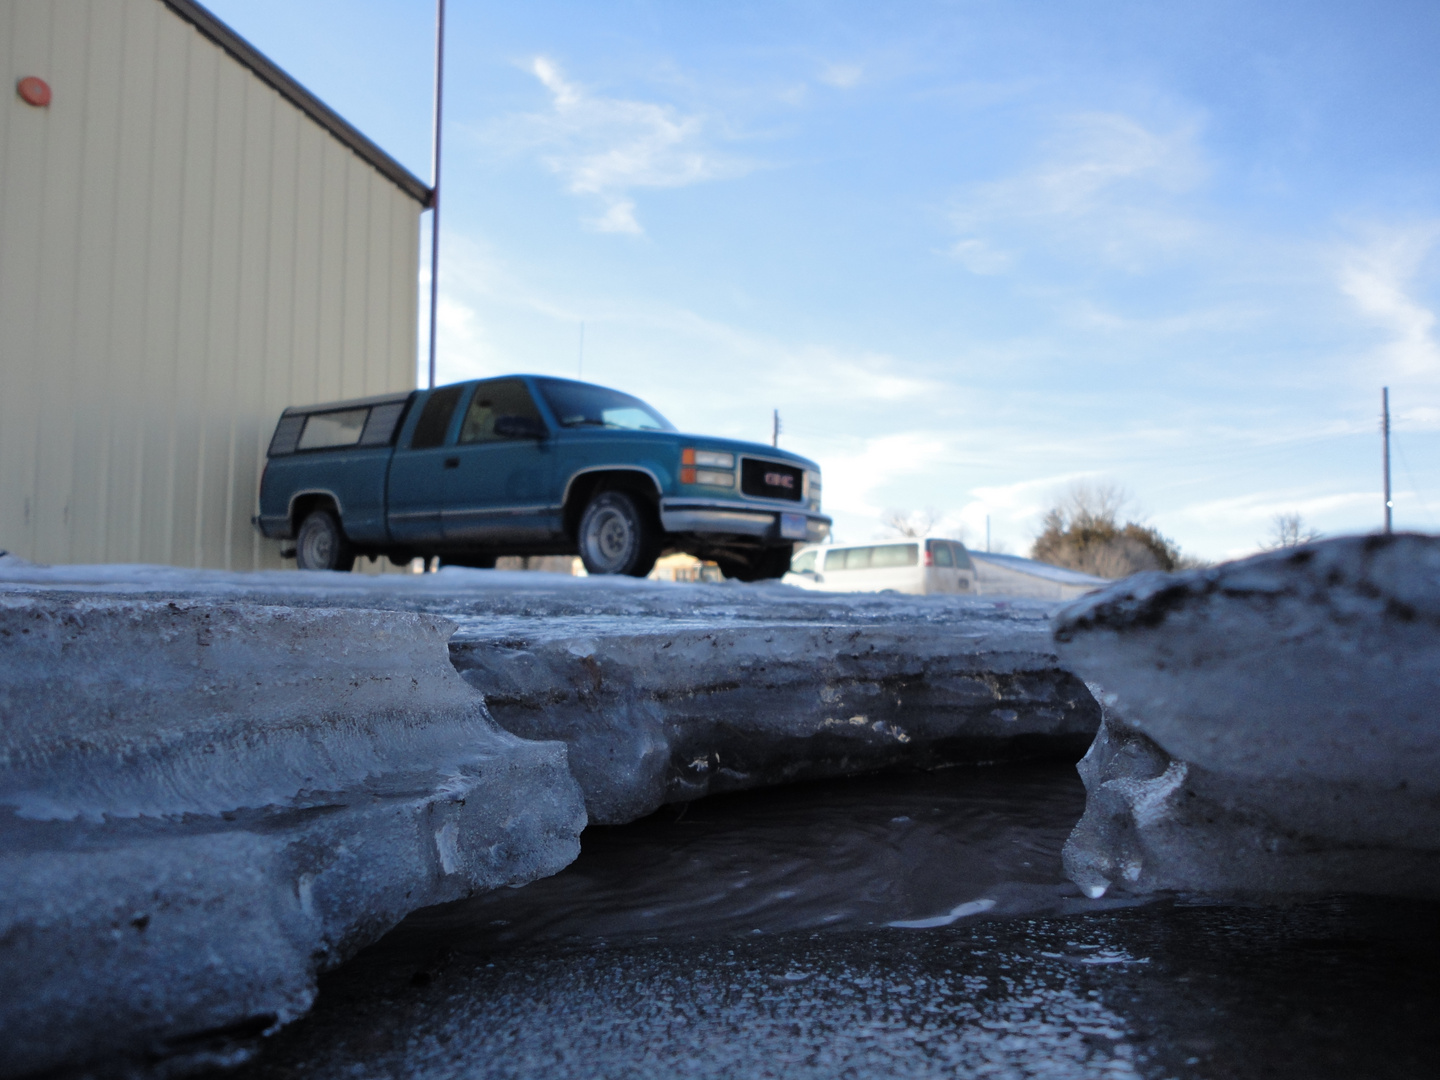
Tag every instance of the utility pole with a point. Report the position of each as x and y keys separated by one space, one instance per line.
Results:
x=1385 y=429
x=775 y=430
x=987 y=534
x=435 y=180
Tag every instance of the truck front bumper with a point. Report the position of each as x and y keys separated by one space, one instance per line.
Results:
x=730 y=519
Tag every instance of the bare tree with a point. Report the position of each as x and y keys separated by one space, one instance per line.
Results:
x=911 y=523
x=1088 y=504
x=1288 y=531
x=1083 y=531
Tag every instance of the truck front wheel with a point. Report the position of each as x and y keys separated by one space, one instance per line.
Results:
x=321 y=545
x=616 y=537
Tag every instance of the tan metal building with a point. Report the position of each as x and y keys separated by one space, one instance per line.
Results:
x=189 y=242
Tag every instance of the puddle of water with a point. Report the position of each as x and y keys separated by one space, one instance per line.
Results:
x=912 y=851
x=643 y=959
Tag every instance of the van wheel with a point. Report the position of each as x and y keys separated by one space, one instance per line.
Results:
x=616 y=537
x=320 y=544
x=474 y=562
x=763 y=566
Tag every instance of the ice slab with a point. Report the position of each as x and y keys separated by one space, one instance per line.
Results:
x=1271 y=724
x=670 y=712
x=205 y=802
x=667 y=692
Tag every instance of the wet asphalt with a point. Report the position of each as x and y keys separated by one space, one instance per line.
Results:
x=750 y=936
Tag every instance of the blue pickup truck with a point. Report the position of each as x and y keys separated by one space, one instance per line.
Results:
x=529 y=465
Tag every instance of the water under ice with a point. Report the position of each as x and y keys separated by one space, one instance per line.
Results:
x=642 y=959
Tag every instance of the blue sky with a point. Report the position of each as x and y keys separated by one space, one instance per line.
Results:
x=971 y=251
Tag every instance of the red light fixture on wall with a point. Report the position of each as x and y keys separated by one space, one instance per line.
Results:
x=33 y=91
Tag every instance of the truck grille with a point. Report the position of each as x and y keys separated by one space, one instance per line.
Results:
x=768 y=480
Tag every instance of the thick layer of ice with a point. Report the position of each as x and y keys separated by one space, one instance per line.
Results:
x=203 y=804
x=1270 y=724
x=665 y=692
x=214 y=784
x=671 y=713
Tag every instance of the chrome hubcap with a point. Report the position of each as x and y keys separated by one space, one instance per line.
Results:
x=317 y=548
x=609 y=538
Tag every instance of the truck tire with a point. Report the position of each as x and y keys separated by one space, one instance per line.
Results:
x=616 y=537
x=321 y=545
x=763 y=566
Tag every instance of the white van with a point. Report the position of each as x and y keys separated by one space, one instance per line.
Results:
x=906 y=566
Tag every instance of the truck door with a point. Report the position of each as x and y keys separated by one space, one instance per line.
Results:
x=501 y=489
x=416 y=488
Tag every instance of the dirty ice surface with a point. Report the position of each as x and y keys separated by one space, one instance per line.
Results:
x=1270 y=724
x=745 y=936
x=498 y=595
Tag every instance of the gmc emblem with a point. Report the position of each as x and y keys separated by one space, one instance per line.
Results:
x=775 y=479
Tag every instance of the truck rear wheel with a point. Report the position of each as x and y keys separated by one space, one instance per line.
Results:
x=616 y=536
x=321 y=545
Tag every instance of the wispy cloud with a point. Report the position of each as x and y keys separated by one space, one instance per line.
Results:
x=1378 y=276
x=1106 y=181
x=607 y=148
x=841 y=76
x=862 y=480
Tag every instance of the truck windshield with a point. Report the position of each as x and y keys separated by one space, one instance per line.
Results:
x=577 y=404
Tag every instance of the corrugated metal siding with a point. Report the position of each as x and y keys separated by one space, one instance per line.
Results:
x=183 y=253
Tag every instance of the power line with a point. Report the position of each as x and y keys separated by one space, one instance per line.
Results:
x=1414 y=487
x=1385 y=428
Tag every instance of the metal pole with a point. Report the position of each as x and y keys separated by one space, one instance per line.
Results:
x=435 y=181
x=775 y=430
x=987 y=534
x=1385 y=427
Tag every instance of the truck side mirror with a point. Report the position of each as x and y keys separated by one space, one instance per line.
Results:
x=519 y=427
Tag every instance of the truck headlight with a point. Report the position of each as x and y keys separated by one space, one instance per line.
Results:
x=812 y=488
x=713 y=459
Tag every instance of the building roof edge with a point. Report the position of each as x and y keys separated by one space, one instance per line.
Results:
x=303 y=99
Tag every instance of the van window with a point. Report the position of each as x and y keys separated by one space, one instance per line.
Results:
x=804 y=562
x=943 y=556
x=434 y=419
x=895 y=555
x=492 y=400
x=856 y=558
x=962 y=558
x=332 y=429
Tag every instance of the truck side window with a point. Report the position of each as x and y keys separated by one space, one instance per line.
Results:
x=435 y=417
x=380 y=428
x=327 y=429
x=492 y=400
